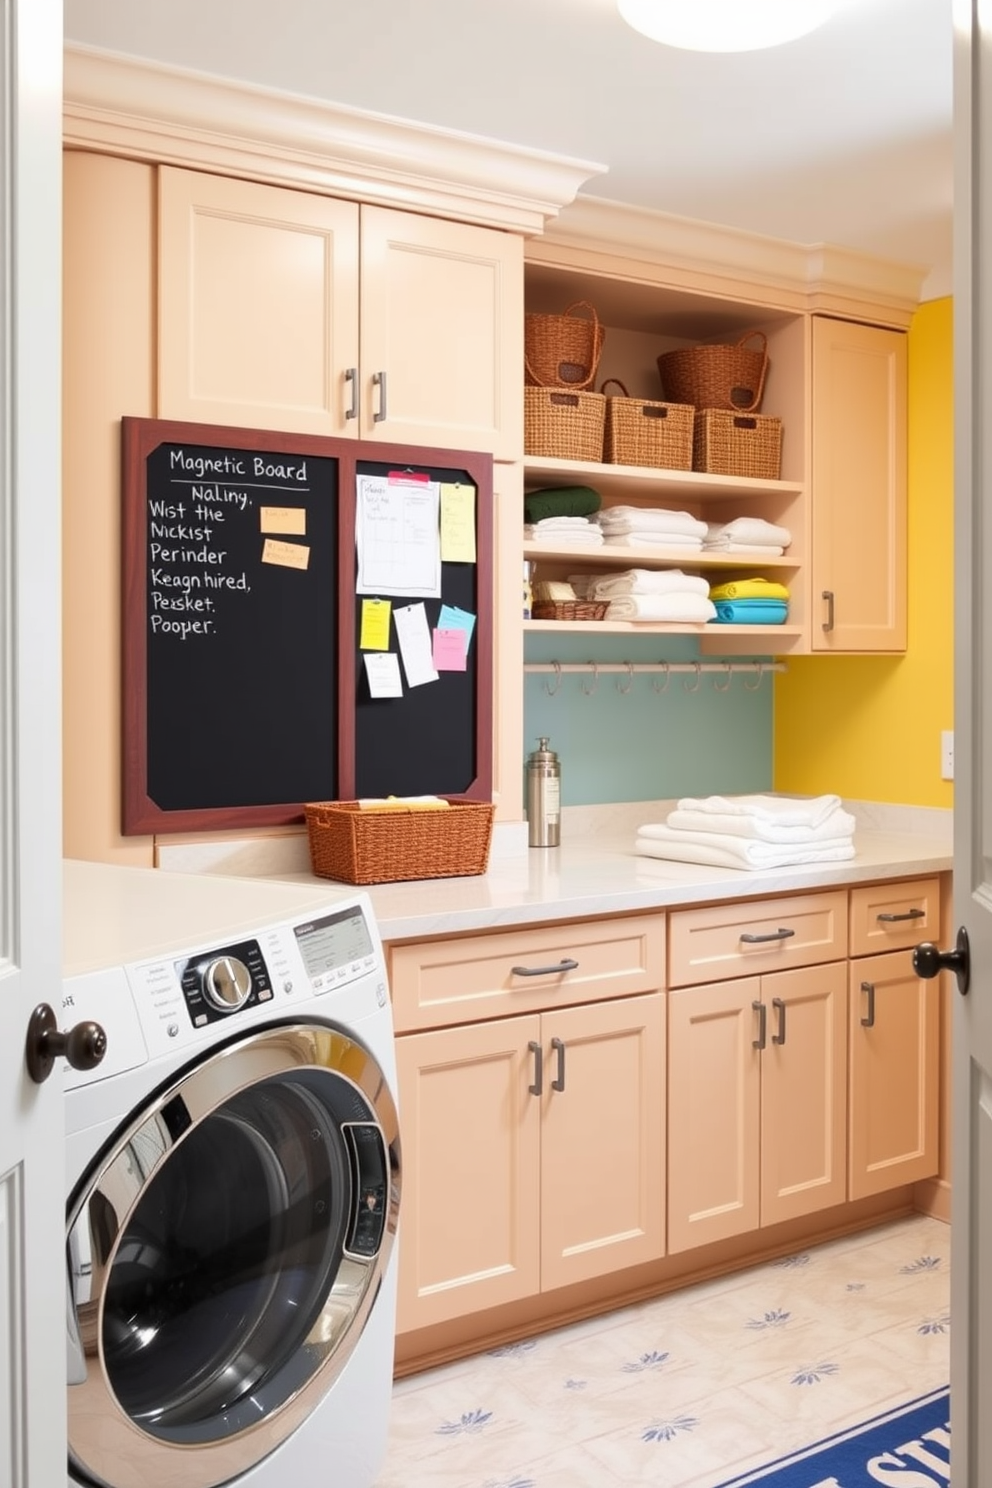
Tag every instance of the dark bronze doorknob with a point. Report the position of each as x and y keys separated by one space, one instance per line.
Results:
x=84 y=1045
x=928 y=961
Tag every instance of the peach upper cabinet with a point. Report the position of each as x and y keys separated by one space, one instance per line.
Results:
x=289 y=310
x=859 y=487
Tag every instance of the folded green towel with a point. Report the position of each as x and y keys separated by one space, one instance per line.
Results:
x=561 y=501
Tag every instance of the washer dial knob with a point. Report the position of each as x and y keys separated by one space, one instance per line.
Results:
x=227 y=983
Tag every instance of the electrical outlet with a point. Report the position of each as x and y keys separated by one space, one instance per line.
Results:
x=947 y=754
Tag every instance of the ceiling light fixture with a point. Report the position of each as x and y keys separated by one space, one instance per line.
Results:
x=725 y=25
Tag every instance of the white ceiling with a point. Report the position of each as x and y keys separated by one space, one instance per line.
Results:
x=843 y=137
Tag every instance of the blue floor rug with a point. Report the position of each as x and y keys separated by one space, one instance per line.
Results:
x=910 y=1445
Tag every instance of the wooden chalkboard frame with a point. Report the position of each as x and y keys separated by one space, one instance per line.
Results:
x=140 y=439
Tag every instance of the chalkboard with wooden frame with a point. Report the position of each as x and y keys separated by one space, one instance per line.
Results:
x=244 y=691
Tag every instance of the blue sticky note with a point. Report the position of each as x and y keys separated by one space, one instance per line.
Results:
x=452 y=618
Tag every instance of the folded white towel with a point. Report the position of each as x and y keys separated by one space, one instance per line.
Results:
x=690 y=609
x=571 y=537
x=751 y=530
x=801 y=811
x=649 y=519
x=838 y=823
x=757 y=550
x=648 y=581
x=740 y=852
x=560 y=524
x=680 y=541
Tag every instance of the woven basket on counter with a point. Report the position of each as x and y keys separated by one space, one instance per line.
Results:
x=731 y=377
x=564 y=426
x=569 y=609
x=385 y=846
x=737 y=444
x=641 y=432
x=562 y=350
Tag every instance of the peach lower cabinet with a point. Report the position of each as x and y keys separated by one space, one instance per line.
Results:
x=596 y=1111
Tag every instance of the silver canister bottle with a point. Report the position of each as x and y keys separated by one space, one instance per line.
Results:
x=543 y=797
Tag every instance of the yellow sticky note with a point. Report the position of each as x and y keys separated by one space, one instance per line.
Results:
x=292 y=519
x=375 y=624
x=457 y=523
x=287 y=555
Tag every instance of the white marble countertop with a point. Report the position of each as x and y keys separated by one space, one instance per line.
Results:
x=596 y=872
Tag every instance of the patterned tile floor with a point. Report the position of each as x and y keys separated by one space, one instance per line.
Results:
x=691 y=1389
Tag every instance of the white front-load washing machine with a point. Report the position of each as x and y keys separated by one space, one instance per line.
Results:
x=233 y=1183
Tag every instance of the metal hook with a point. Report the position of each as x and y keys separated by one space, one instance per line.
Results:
x=729 y=679
x=753 y=686
x=552 y=691
x=595 y=680
x=695 y=686
x=630 y=678
x=664 y=685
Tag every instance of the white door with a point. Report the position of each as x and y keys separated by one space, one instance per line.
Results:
x=32 y=1197
x=971 y=1271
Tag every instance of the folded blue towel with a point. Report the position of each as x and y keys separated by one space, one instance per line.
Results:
x=751 y=611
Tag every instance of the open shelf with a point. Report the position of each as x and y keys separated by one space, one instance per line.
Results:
x=615 y=555
x=632 y=481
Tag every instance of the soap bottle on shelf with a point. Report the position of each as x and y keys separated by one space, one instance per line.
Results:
x=543 y=797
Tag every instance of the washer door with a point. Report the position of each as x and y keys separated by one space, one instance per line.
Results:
x=224 y=1255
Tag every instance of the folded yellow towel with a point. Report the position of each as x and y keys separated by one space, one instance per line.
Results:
x=749 y=589
x=405 y=803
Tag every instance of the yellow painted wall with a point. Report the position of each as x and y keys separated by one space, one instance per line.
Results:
x=869 y=727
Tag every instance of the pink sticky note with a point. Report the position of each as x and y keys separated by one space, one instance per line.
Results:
x=450 y=648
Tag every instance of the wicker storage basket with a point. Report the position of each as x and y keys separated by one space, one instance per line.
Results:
x=369 y=847
x=737 y=444
x=565 y=426
x=730 y=377
x=570 y=609
x=562 y=350
x=638 y=432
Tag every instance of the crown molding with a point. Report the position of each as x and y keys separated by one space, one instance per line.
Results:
x=128 y=106
x=818 y=277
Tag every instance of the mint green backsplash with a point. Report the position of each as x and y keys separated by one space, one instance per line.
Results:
x=643 y=745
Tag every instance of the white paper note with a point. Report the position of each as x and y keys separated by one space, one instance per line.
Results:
x=397 y=537
x=415 y=644
x=383 y=671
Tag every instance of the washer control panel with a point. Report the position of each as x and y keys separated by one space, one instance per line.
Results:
x=223 y=980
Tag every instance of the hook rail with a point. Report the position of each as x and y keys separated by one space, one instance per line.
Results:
x=631 y=668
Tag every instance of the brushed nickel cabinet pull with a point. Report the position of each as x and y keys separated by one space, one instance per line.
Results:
x=779 y=1006
x=566 y=964
x=750 y=939
x=892 y=919
x=869 y=1020
x=538 y=1086
x=828 y=595
x=558 y=1083
x=351 y=375
x=379 y=381
x=762 y=1012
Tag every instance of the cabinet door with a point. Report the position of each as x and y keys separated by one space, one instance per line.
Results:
x=258 y=305
x=469 y=1214
x=804 y=1092
x=895 y=1069
x=858 y=487
x=603 y=1139
x=714 y=1094
x=442 y=320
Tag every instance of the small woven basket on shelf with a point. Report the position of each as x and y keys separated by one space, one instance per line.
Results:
x=570 y=609
x=562 y=350
x=564 y=426
x=385 y=846
x=737 y=444
x=641 y=432
x=731 y=377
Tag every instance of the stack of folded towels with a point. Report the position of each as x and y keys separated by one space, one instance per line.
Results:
x=753 y=601
x=751 y=832
x=651 y=527
x=564 y=532
x=646 y=594
x=747 y=535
